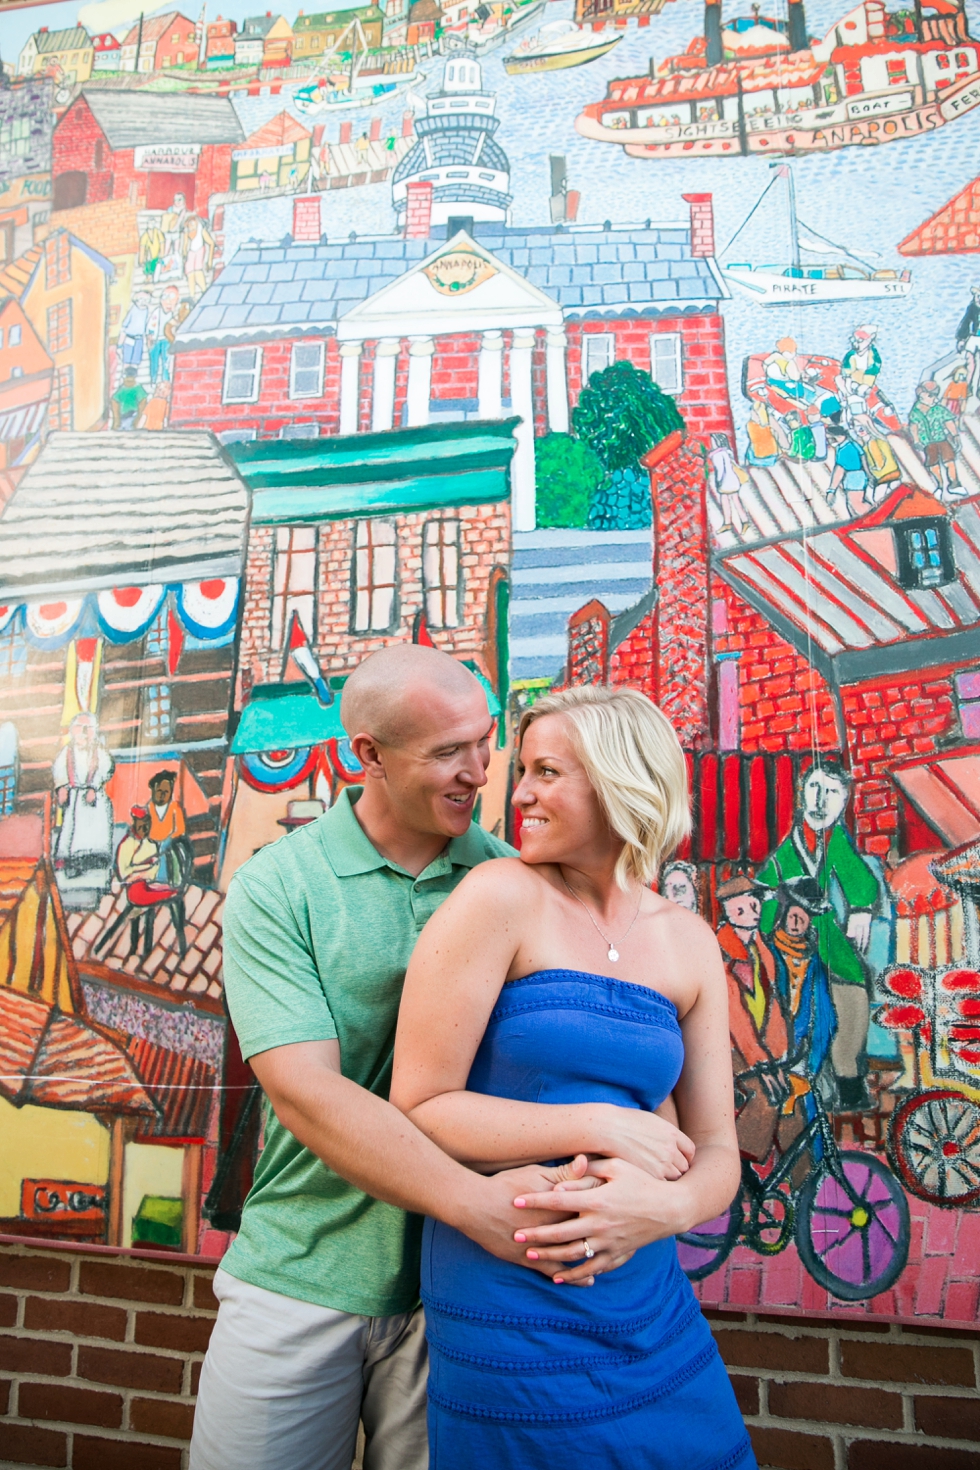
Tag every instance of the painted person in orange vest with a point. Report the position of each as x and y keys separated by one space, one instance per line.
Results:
x=760 y=1041
x=166 y=820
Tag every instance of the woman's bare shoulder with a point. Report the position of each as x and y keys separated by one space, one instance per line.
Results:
x=500 y=878
x=680 y=927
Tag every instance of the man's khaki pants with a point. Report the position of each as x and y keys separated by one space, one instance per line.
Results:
x=285 y=1382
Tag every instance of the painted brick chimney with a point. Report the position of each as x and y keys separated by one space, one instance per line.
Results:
x=702 y=223
x=418 y=210
x=306 y=219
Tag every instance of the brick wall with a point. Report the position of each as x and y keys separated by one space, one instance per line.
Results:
x=633 y=662
x=100 y=1355
x=455 y=366
x=74 y=149
x=888 y=721
x=784 y=704
x=199 y=384
x=485 y=543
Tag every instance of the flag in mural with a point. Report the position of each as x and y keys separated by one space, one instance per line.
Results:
x=591 y=341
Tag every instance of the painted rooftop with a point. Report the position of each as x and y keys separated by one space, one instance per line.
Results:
x=140 y=119
x=270 y=291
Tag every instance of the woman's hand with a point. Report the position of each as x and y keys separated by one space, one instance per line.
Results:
x=627 y=1210
x=646 y=1140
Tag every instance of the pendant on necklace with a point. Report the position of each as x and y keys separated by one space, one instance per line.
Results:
x=613 y=953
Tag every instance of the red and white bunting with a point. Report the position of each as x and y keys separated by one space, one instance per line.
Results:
x=209 y=605
x=53 y=619
x=130 y=609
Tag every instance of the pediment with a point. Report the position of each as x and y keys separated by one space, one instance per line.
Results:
x=460 y=287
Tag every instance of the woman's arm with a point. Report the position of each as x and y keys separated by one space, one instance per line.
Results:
x=459 y=965
x=647 y=1209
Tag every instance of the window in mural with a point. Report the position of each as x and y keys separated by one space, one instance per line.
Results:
x=676 y=388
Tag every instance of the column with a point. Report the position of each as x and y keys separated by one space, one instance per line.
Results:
x=383 y=395
x=350 y=374
x=420 y=350
x=522 y=465
x=491 y=364
x=557 y=383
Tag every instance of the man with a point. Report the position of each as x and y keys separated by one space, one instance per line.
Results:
x=820 y=847
x=933 y=428
x=849 y=472
x=968 y=337
x=132 y=333
x=160 y=316
x=127 y=402
x=319 y=1320
x=137 y=856
x=755 y=1019
x=167 y=821
x=861 y=363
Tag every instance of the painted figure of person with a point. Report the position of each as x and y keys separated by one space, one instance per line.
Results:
x=861 y=363
x=934 y=430
x=83 y=842
x=968 y=337
x=157 y=407
x=167 y=820
x=197 y=248
x=763 y=449
x=152 y=248
x=820 y=847
x=172 y=225
x=132 y=333
x=137 y=856
x=760 y=1041
x=849 y=472
x=956 y=392
x=159 y=319
x=127 y=402
x=680 y=883
x=727 y=483
x=801 y=976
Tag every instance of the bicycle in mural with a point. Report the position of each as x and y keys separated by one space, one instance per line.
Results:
x=849 y=1217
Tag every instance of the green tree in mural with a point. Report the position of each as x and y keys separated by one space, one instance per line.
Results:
x=567 y=477
x=621 y=415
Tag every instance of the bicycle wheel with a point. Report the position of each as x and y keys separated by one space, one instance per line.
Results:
x=934 y=1145
x=852 y=1227
x=702 y=1250
x=769 y=1223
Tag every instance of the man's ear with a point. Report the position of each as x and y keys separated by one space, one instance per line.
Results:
x=367 y=752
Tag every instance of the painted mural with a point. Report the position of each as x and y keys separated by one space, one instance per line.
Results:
x=589 y=340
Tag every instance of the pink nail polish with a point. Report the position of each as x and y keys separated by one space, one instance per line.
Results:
x=520 y=1236
x=520 y=1204
x=533 y=1256
x=558 y=1280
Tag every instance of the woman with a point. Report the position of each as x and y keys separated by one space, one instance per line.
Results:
x=543 y=991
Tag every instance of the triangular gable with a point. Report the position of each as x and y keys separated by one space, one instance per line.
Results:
x=280 y=130
x=905 y=503
x=952 y=230
x=460 y=287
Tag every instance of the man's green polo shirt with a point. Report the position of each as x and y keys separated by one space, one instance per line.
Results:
x=318 y=931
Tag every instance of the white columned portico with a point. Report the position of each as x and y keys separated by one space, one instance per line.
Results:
x=557 y=382
x=522 y=399
x=420 y=350
x=490 y=376
x=383 y=395
x=350 y=375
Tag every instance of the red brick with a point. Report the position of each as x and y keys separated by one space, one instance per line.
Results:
x=4 y=1395
x=82 y=1319
x=204 y=1296
x=34 y=1273
x=196 y=1377
x=902 y=1363
x=27 y=1445
x=829 y=1404
x=131 y=1283
x=773 y=1350
x=746 y=1392
x=870 y=1454
x=8 y=1310
x=69 y=1405
x=34 y=1355
x=948 y=1418
x=182 y=1334
x=160 y=1416
x=791 y=1451
x=117 y=1454
x=130 y=1369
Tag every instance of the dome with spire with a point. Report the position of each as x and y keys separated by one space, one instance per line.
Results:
x=455 y=150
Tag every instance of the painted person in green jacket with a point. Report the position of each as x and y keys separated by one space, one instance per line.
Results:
x=820 y=847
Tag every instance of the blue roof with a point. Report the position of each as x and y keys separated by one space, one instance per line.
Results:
x=271 y=291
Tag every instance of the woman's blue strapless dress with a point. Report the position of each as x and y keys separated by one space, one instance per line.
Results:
x=623 y=1375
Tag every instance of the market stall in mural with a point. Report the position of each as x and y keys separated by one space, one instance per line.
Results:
x=591 y=343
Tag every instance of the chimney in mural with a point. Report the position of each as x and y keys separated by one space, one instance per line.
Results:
x=715 y=52
x=796 y=27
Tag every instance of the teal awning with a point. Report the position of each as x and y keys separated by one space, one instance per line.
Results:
x=402 y=470
x=285 y=717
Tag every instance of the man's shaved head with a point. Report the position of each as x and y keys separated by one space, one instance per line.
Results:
x=387 y=694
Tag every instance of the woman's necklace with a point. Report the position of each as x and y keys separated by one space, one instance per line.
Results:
x=613 y=951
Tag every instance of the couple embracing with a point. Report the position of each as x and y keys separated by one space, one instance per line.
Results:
x=437 y=1024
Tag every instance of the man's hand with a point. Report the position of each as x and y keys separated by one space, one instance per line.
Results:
x=859 y=929
x=629 y=1209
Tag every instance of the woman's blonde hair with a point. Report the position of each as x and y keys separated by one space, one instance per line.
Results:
x=634 y=761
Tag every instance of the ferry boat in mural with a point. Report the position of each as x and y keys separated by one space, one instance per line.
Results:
x=821 y=269
x=559 y=45
x=870 y=80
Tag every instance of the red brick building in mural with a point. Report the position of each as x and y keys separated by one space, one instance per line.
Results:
x=144 y=147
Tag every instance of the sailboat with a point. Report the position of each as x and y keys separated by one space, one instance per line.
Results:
x=836 y=274
x=349 y=87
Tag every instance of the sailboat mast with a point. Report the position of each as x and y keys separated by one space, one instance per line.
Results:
x=794 y=227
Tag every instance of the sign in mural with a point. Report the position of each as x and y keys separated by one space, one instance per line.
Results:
x=588 y=344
